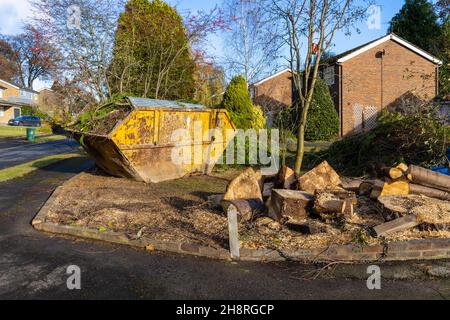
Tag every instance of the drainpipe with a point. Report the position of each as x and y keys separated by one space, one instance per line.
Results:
x=381 y=54
x=341 y=99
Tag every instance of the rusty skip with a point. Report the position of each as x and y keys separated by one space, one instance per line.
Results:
x=141 y=145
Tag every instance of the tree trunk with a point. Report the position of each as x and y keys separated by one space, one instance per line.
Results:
x=300 y=148
x=429 y=178
x=429 y=192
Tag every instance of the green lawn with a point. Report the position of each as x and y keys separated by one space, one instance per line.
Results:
x=26 y=168
x=43 y=134
x=15 y=132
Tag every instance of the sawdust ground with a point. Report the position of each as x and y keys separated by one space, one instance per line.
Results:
x=177 y=210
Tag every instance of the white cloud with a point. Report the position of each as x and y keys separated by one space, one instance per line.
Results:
x=13 y=14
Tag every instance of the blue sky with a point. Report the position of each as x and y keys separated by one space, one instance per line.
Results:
x=341 y=42
x=14 y=12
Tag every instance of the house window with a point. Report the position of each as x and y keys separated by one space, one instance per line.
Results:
x=328 y=75
x=2 y=111
x=17 y=112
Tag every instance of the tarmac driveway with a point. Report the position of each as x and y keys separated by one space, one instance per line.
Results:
x=14 y=152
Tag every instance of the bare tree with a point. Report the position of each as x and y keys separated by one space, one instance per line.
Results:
x=307 y=29
x=83 y=31
x=250 y=50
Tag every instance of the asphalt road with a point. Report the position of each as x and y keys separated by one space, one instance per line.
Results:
x=14 y=152
x=33 y=264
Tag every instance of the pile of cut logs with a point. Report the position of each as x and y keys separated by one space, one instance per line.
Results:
x=404 y=180
x=288 y=198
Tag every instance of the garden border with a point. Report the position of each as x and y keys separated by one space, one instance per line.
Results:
x=425 y=249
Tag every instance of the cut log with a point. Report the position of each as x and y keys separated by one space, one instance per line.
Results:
x=394 y=173
x=214 y=201
x=375 y=193
x=402 y=166
x=247 y=209
x=286 y=178
x=427 y=210
x=391 y=208
x=309 y=227
x=245 y=186
x=365 y=188
x=342 y=194
x=267 y=189
x=328 y=205
x=351 y=184
x=398 y=187
x=400 y=224
x=378 y=184
x=321 y=177
x=429 y=192
x=289 y=204
x=429 y=178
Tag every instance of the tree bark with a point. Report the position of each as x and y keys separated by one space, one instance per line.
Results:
x=429 y=178
x=300 y=149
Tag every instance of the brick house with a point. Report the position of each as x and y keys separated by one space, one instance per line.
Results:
x=13 y=98
x=8 y=109
x=273 y=93
x=388 y=72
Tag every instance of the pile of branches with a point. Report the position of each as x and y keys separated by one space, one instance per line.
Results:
x=102 y=118
x=418 y=139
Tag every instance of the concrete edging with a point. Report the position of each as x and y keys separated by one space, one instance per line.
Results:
x=425 y=249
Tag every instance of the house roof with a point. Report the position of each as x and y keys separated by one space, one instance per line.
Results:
x=17 y=86
x=372 y=44
x=45 y=89
x=29 y=90
x=271 y=77
x=9 y=84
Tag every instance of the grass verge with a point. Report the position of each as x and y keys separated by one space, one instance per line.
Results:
x=26 y=168
x=11 y=132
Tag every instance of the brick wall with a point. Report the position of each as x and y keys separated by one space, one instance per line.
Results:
x=405 y=74
x=8 y=113
x=9 y=92
x=274 y=94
